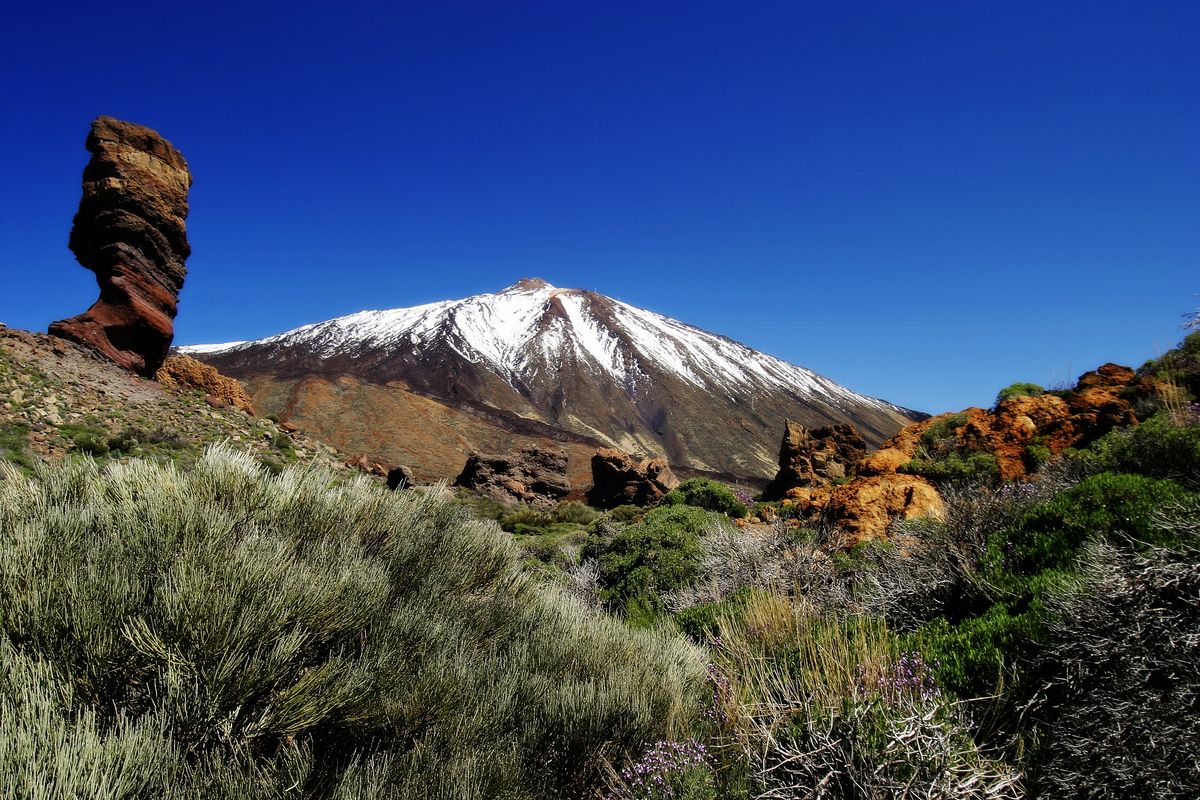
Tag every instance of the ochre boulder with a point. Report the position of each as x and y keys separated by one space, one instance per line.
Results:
x=883 y=461
x=535 y=475
x=814 y=457
x=619 y=478
x=879 y=494
x=1102 y=400
x=185 y=372
x=1015 y=424
x=864 y=508
x=364 y=464
x=130 y=231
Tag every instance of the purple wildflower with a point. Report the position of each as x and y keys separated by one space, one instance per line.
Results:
x=656 y=774
x=908 y=678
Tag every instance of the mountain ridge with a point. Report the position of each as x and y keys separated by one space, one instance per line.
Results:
x=577 y=361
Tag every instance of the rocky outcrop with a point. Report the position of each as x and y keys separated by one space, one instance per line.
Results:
x=1104 y=399
x=620 y=479
x=879 y=494
x=185 y=372
x=57 y=399
x=811 y=462
x=864 y=508
x=1101 y=400
x=535 y=475
x=130 y=231
x=814 y=457
x=364 y=464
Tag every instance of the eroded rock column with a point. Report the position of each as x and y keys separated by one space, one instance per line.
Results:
x=130 y=230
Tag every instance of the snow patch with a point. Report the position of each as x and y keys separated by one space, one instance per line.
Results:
x=516 y=332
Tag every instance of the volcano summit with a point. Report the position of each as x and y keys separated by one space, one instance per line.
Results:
x=542 y=363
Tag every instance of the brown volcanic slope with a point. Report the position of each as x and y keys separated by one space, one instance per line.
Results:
x=426 y=385
x=392 y=425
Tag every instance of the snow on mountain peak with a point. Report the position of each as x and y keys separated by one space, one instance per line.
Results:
x=532 y=323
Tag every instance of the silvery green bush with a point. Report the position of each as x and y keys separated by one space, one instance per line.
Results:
x=1117 y=711
x=221 y=632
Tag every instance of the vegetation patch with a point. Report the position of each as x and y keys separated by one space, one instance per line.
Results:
x=645 y=560
x=955 y=468
x=1019 y=390
x=707 y=494
x=219 y=632
x=14 y=446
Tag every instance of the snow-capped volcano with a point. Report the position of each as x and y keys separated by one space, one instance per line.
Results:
x=579 y=362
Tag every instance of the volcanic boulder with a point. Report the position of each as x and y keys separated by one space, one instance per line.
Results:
x=363 y=463
x=814 y=457
x=1102 y=400
x=866 y=507
x=619 y=478
x=880 y=493
x=130 y=231
x=185 y=372
x=401 y=477
x=536 y=475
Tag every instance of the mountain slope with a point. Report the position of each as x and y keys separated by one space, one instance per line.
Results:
x=565 y=364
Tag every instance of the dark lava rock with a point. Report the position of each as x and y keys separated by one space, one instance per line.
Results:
x=535 y=475
x=814 y=457
x=619 y=479
x=130 y=230
x=400 y=477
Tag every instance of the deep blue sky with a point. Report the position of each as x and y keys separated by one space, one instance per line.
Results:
x=924 y=201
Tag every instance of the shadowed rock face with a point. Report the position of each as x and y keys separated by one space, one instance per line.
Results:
x=534 y=475
x=814 y=457
x=130 y=231
x=619 y=478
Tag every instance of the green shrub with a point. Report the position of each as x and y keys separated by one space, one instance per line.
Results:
x=942 y=436
x=553 y=548
x=1018 y=390
x=525 y=519
x=1107 y=506
x=87 y=439
x=14 y=446
x=219 y=632
x=93 y=445
x=625 y=513
x=534 y=521
x=648 y=559
x=1027 y=562
x=126 y=441
x=1180 y=365
x=978 y=656
x=707 y=494
x=1158 y=448
x=1036 y=456
x=955 y=468
x=574 y=512
x=702 y=621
